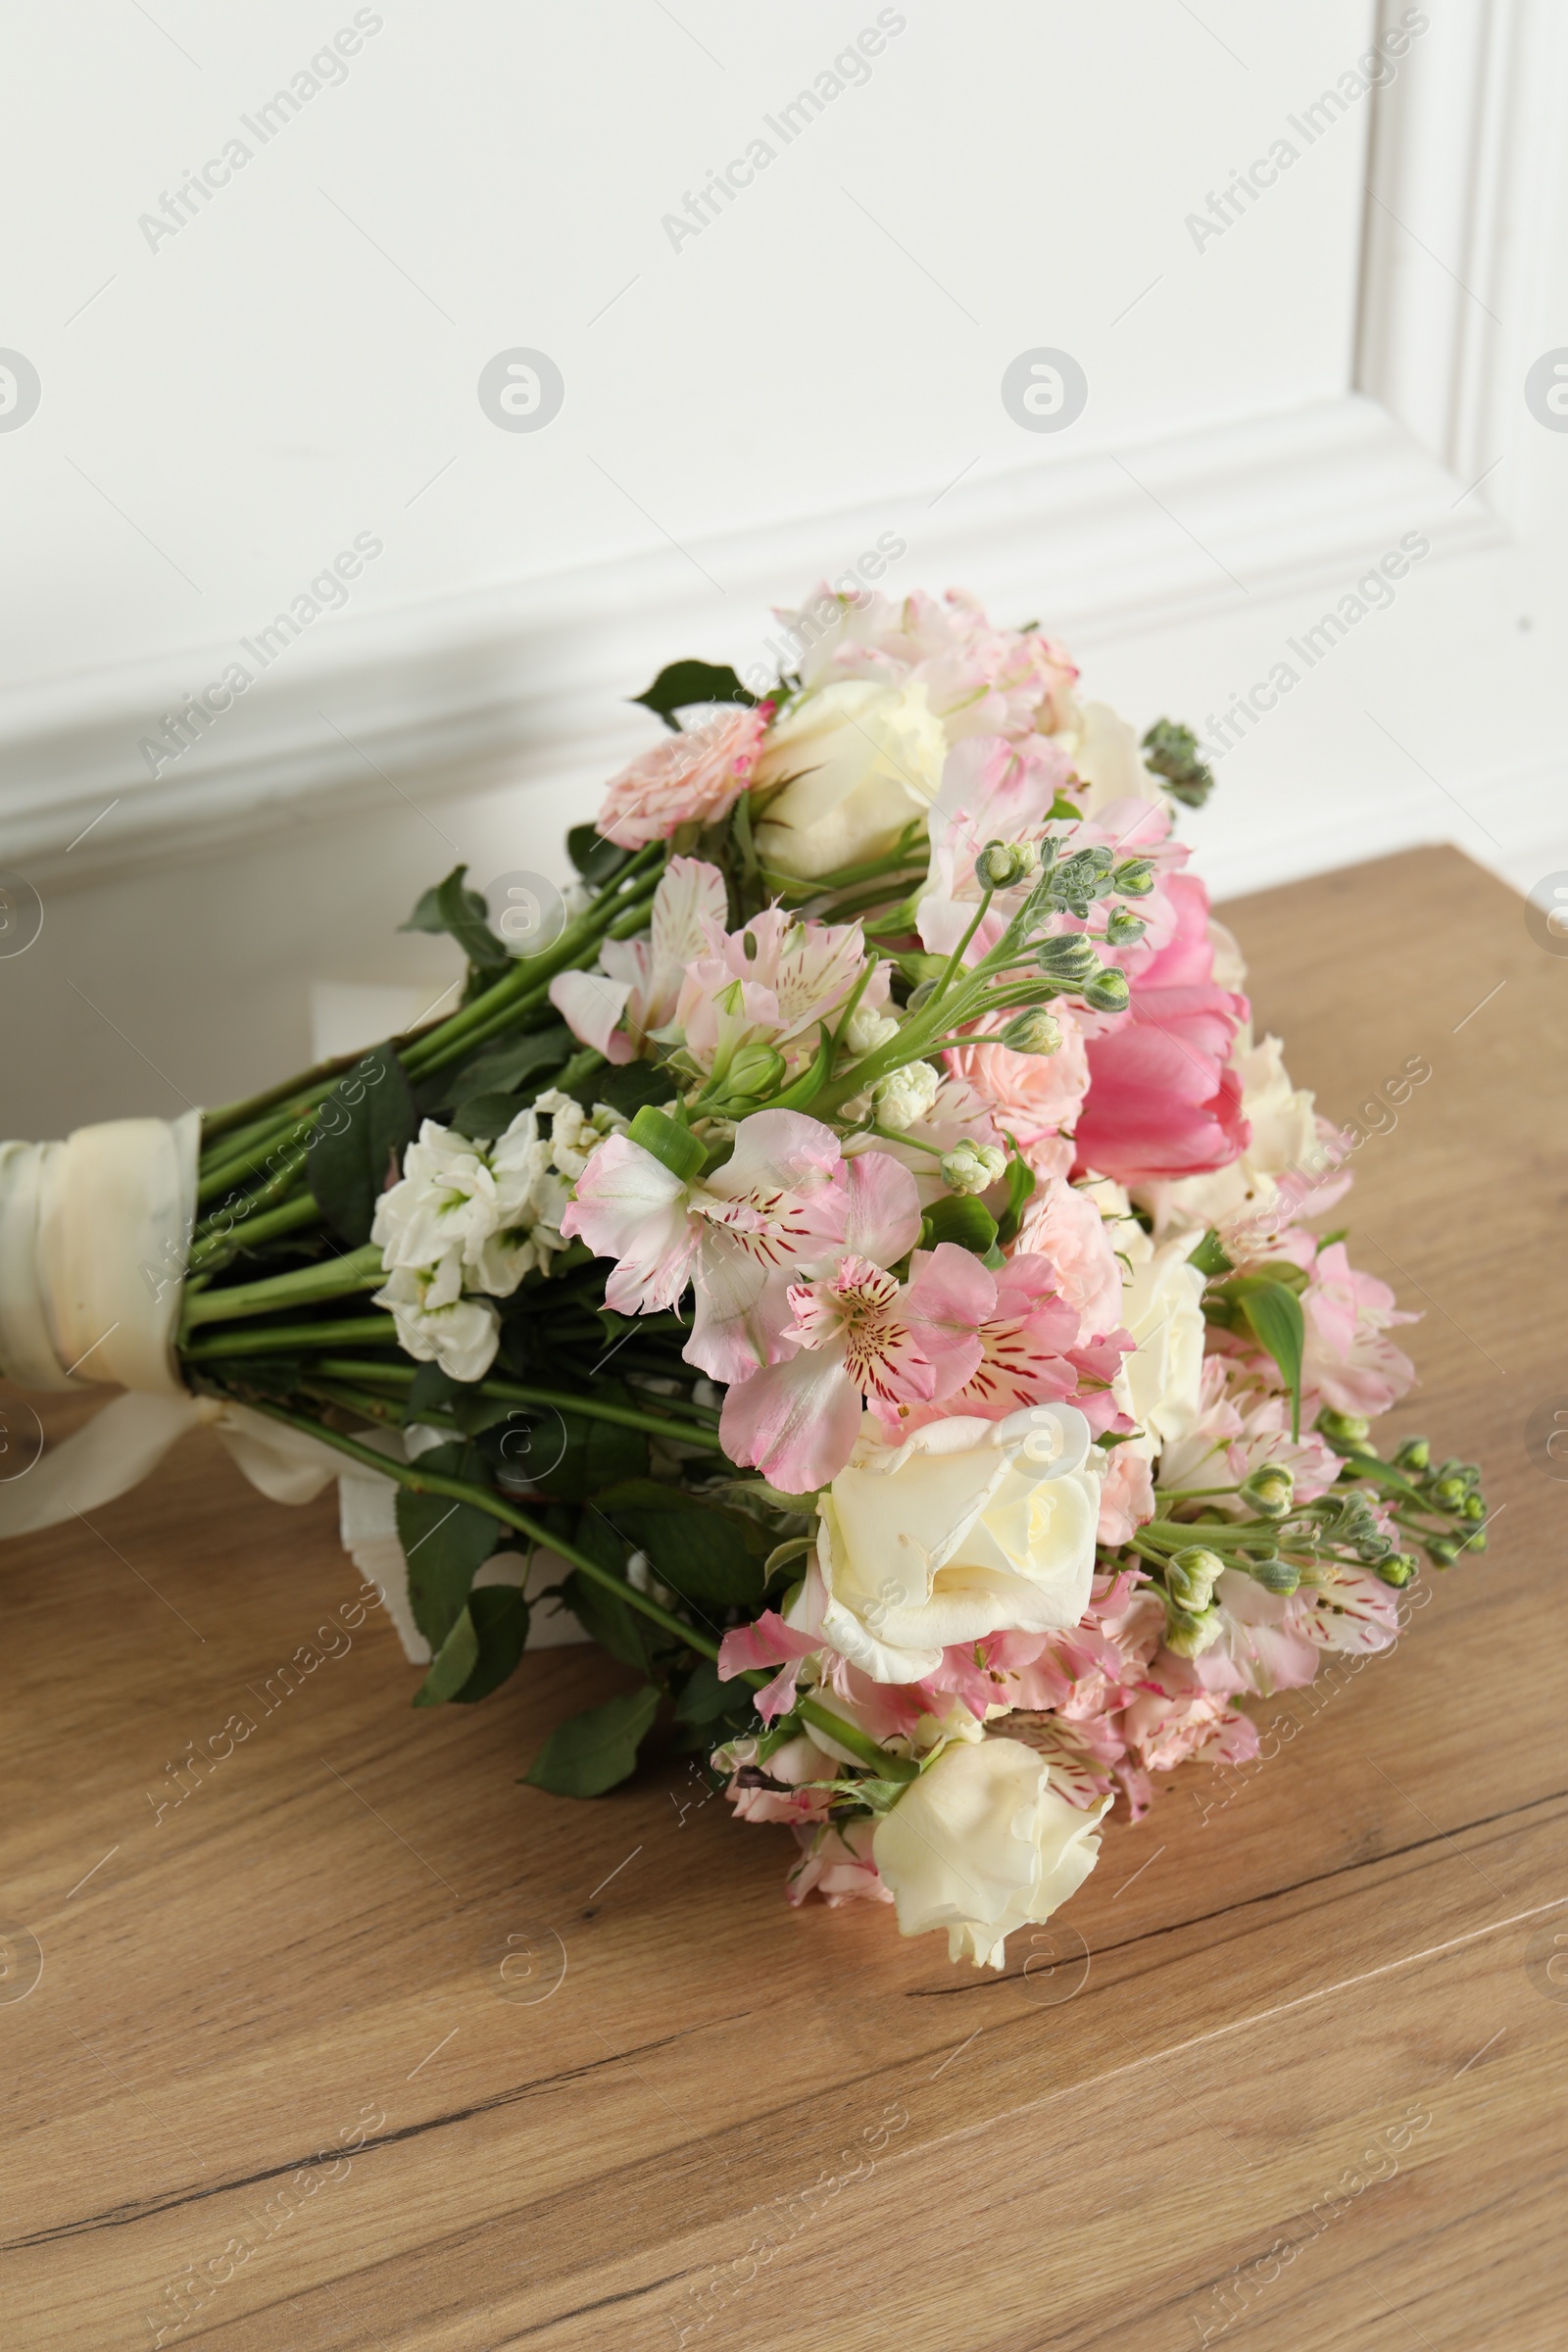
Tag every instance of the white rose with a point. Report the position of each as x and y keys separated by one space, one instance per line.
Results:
x=436 y=1324
x=1284 y=1136
x=982 y=1844
x=968 y=1527
x=1160 y=1383
x=864 y=759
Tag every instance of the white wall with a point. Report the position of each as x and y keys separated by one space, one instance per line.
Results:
x=744 y=408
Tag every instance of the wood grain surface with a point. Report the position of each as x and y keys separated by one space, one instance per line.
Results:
x=425 y=2059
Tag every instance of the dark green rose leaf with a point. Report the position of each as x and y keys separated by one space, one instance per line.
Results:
x=596 y=1750
x=356 y=1145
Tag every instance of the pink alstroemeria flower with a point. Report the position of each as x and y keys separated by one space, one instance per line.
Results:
x=772 y=982
x=1029 y=1344
x=737 y=1235
x=636 y=987
x=854 y=1338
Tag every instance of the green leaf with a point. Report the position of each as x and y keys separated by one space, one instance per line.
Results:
x=482 y=1117
x=705 y=1698
x=684 y=683
x=699 y=1549
x=597 y=860
x=1021 y=1182
x=962 y=1219
x=451 y=1665
x=627 y=1087
x=444 y=1542
x=1209 y=1256
x=595 y=1751
x=602 y=1618
x=498 y=1615
x=461 y=912
x=356 y=1145
x=508 y=1064
x=1279 y=1325
x=597 y=1455
x=431 y=1390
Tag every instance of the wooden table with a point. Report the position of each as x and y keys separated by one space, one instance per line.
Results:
x=731 y=2125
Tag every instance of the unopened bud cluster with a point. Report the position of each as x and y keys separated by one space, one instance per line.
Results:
x=972 y=1167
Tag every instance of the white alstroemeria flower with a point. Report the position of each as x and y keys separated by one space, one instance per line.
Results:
x=982 y=1843
x=968 y=1527
x=446 y=1201
x=436 y=1323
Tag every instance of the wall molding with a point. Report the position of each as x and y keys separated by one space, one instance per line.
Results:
x=527 y=681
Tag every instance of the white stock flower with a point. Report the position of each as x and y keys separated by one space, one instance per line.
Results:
x=855 y=761
x=905 y=1096
x=445 y=1201
x=968 y=1527
x=867 y=1029
x=1161 y=1383
x=436 y=1324
x=981 y=1844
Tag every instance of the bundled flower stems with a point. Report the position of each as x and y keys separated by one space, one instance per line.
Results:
x=870 y=1253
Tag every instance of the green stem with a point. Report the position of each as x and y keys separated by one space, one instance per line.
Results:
x=484 y=1498
x=885 y=1765
x=216 y=1249
x=508 y=1392
x=289 y=1339
x=357 y=1270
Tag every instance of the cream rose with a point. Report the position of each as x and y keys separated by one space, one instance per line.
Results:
x=857 y=760
x=1109 y=757
x=968 y=1527
x=1161 y=1383
x=982 y=1844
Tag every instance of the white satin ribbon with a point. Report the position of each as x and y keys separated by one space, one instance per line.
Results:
x=94 y=1234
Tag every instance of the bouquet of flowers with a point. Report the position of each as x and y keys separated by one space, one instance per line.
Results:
x=868 y=1253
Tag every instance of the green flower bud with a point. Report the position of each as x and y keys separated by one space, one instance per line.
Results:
x=1270 y=1491
x=1123 y=927
x=997 y=868
x=1170 y=750
x=1451 y=1493
x=1476 y=1543
x=1108 y=991
x=1188 y=1636
x=972 y=1167
x=1134 y=878
x=1414 y=1455
x=1442 y=1551
x=1475 y=1506
x=1398 y=1570
x=1274 y=1574
x=1069 y=958
x=757 y=1069
x=1033 y=1032
x=1344 y=1429
x=1190 y=1576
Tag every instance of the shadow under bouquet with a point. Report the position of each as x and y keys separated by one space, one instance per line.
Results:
x=856 y=1262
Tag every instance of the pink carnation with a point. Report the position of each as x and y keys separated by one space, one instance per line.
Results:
x=688 y=777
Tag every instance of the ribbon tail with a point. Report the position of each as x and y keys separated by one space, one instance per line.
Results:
x=115 y=1452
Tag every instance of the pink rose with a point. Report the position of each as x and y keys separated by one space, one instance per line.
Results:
x=697 y=775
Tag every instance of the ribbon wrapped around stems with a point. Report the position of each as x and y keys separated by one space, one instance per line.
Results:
x=94 y=1236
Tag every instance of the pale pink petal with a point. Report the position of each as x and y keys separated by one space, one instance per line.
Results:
x=797 y=1422
x=591 y=1007
x=951 y=1295
x=746 y=1648
x=882 y=1211
x=629 y=1206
